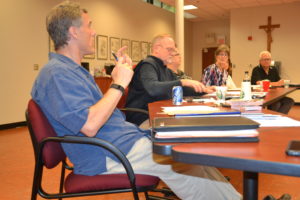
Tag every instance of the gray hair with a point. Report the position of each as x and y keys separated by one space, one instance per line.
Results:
x=157 y=39
x=60 y=19
x=264 y=53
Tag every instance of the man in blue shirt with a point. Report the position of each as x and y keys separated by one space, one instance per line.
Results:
x=74 y=105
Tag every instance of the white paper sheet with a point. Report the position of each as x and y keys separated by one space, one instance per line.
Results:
x=268 y=120
x=229 y=133
x=189 y=109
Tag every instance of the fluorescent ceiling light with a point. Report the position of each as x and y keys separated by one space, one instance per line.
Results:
x=189 y=16
x=189 y=7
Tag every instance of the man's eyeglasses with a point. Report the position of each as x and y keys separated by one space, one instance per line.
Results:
x=265 y=59
x=169 y=49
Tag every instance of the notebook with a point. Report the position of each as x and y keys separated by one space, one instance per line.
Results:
x=204 y=129
x=203 y=123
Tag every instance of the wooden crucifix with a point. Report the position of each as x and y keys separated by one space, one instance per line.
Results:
x=269 y=28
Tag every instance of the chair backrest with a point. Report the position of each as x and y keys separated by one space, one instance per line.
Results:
x=40 y=128
x=122 y=101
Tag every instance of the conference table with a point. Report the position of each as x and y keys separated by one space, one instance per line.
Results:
x=266 y=156
x=276 y=94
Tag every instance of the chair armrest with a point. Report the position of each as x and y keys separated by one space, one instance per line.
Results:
x=92 y=141
x=135 y=110
x=67 y=165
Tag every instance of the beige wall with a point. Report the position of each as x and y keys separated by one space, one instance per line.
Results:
x=286 y=40
x=24 y=40
x=188 y=47
x=200 y=29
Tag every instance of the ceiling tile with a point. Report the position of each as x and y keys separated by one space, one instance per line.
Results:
x=216 y=9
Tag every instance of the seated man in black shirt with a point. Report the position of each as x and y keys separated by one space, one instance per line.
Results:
x=265 y=71
x=153 y=81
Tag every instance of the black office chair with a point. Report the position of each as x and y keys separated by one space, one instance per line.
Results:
x=49 y=153
x=122 y=102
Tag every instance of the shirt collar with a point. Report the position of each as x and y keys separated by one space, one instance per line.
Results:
x=158 y=60
x=218 y=69
x=271 y=66
x=64 y=59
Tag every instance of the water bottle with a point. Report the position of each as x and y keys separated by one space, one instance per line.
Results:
x=246 y=87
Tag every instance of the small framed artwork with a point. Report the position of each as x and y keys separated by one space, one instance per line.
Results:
x=102 y=47
x=114 y=46
x=90 y=56
x=126 y=42
x=150 y=47
x=135 y=51
x=144 y=49
x=51 y=46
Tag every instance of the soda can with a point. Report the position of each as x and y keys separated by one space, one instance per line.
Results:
x=177 y=95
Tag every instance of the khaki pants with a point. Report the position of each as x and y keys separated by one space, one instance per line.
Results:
x=186 y=181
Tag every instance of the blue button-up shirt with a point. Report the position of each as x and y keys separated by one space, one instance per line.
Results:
x=64 y=90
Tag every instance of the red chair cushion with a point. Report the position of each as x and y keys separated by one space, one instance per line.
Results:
x=79 y=183
x=53 y=153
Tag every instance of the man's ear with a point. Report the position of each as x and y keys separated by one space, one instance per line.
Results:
x=155 y=49
x=73 y=31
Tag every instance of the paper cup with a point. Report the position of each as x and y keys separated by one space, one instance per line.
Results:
x=221 y=93
x=266 y=85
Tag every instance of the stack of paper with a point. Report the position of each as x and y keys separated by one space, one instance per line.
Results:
x=205 y=129
x=246 y=105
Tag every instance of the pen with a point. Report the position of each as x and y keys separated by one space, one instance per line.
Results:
x=116 y=58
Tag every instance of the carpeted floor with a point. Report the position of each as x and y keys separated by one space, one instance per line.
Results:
x=17 y=164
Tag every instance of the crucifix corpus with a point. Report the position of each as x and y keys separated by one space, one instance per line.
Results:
x=269 y=28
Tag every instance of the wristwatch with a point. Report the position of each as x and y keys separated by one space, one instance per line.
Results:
x=118 y=87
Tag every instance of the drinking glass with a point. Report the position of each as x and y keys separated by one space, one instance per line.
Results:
x=266 y=85
x=286 y=83
x=221 y=93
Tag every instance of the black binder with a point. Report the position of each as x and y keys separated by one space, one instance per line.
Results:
x=166 y=124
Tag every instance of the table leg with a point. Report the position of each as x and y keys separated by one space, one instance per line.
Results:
x=250 y=186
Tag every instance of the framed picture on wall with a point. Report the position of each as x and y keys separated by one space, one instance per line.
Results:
x=51 y=45
x=114 y=46
x=126 y=42
x=135 y=51
x=144 y=49
x=91 y=56
x=150 y=47
x=102 y=47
